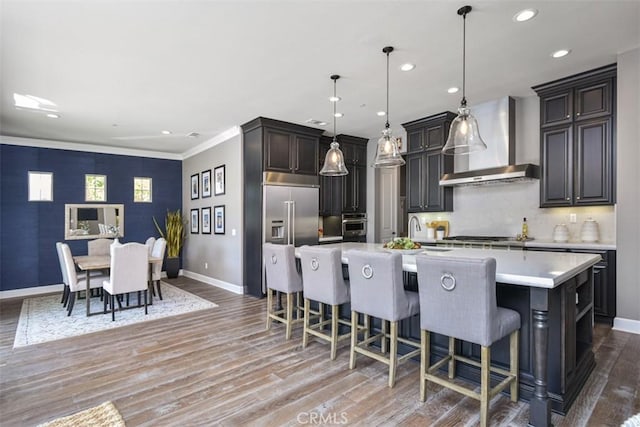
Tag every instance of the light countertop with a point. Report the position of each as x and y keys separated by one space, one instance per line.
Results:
x=536 y=243
x=330 y=239
x=527 y=268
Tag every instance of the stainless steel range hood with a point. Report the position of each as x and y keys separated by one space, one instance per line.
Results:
x=496 y=165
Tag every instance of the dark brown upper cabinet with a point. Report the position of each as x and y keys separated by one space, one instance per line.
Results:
x=426 y=164
x=577 y=139
x=286 y=150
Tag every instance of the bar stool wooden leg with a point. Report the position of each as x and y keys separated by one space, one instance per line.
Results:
x=366 y=326
x=425 y=361
x=383 y=342
x=289 y=315
x=485 y=354
x=321 y=310
x=334 y=331
x=393 y=355
x=452 y=361
x=306 y=322
x=354 y=338
x=298 y=305
x=269 y=307
x=514 y=342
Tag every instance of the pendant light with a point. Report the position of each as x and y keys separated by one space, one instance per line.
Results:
x=387 y=154
x=334 y=161
x=464 y=136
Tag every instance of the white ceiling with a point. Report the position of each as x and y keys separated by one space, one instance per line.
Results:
x=123 y=71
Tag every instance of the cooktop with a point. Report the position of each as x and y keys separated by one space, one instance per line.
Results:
x=479 y=238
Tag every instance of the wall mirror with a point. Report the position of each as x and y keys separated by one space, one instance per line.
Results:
x=91 y=221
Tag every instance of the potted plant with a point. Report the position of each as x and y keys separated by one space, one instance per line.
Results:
x=174 y=233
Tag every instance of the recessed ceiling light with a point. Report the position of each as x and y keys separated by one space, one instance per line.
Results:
x=453 y=89
x=166 y=132
x=407 y=67
x=53 y=116
x=316 y=122
x=338 y=115
x=561 y=53
x=525 y=15
x=334 y=98
x=381 y=113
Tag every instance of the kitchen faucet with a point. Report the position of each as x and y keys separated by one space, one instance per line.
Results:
x=418 y=228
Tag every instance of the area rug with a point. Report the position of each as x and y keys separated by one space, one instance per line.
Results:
x=44 y=318
x=105 y=415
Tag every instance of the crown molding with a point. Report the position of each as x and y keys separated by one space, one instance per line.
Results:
x=218 y=139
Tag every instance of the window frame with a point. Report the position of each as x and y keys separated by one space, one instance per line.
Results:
x=41 y=184
x=86 y=188
x=135 y=190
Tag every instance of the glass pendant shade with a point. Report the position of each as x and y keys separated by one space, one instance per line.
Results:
x=334 y=161
x=387 y=154
x=464 y=136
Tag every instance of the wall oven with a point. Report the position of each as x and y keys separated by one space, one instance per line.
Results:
x=354 y=227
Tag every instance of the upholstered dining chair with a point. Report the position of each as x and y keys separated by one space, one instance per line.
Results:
x=159 y=247
x=128 y=273
x=322 y=282
x=458 y=299
x=76 y=284
x=377 y=290
x=282 y=276
x=99 y=246
x=150 y=242
x=65 y=277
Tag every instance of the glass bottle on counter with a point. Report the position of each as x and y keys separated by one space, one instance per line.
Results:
x=525 y=229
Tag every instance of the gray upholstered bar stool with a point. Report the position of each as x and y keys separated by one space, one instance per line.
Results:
x=282 y=276
x=458 y=299
x=322 y=281
x=377 y=289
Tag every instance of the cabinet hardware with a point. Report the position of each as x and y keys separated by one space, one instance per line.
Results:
x=568 y=198
x=577 y=114
x=578 y=197
x=568 y=116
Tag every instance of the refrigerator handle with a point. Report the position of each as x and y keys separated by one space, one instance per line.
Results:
x=288 y=227
x=293 y=222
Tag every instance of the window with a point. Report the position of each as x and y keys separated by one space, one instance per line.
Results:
x=95 y=188
x=40 y=186
x=142 y=190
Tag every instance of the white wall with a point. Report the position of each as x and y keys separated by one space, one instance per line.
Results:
x=221 y=253
x=628 y=191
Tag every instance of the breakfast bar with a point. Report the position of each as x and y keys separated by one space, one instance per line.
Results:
x=553 y=292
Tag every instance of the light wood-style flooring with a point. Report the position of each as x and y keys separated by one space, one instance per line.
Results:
x=221 y=367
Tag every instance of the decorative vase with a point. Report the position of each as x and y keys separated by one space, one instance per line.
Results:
x=172 y=266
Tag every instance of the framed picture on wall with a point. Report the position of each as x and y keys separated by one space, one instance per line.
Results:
x=195 y=216
x=206 y=220
x=194 y=186
x=218 y=174
x=206 y=183
x=218 y=217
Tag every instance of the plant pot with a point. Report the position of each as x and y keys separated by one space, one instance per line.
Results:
x=172 y=265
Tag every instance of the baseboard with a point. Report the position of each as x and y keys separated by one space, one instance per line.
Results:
x=26 y=292
x=214 y=282
x=626 y=325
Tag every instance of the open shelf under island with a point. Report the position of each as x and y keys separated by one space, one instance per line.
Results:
x=553 y=292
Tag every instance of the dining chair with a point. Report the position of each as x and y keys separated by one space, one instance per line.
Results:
x=99 y=247
x=159 y=247
x=76 y=284
x=128 y=273
x=65 y=277
x=458 y=299
x=150 y=242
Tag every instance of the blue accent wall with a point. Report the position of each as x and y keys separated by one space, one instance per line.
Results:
x=30 y=230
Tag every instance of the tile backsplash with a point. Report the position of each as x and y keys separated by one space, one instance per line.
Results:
x=498 y=210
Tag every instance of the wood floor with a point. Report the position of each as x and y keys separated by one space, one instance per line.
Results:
x=221 y=367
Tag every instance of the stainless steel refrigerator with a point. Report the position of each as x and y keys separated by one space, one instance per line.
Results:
x=290 y=216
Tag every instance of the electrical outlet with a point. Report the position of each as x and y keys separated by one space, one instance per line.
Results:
x=233 y=231
x=206 y=266
x=573 y=218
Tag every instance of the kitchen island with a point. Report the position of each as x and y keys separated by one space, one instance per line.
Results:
x=553 y=292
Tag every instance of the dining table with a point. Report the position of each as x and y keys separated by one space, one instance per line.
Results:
x=89 y=263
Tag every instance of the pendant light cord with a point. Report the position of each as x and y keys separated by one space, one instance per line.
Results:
x=386 y=126
x=334 y=109
x=463 y=103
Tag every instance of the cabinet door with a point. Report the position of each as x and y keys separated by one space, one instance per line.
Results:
x=594 y=100
x=415 y=140
x=594 y=174
x=306 y=155
x=556 y=109
x=348 y=192
x=436 y=198
x=556 y=182
x=277 y=151
x=415 y=182
x=360 y=155
x=360 y=184
x=434 y=136
x=600 y=291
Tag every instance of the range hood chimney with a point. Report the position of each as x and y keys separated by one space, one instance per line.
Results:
x=496 y=165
